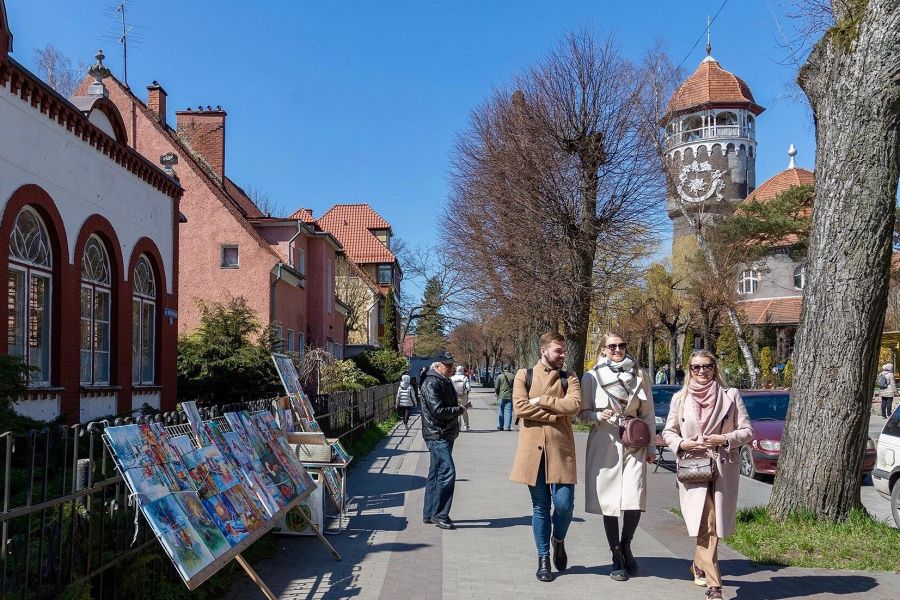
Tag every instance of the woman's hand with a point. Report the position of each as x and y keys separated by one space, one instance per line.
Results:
x=605 y=414
x=651 y=457
x=689 y=444
x=714 y=441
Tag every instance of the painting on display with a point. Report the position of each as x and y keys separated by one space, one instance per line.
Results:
x=203 y=501
x=288 y=373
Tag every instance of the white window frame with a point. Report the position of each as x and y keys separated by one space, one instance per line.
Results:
x=748 y=282
x=143 y=301
x=236 y=264
x=290 y=339
x=94 y=290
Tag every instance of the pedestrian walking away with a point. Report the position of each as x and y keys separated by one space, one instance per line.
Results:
x=406 y=399
x=503 y=388
x=545 y=398
x=462 y=387
x=887 y=389
x=440 y=428
x=707 y=425
x=615 y=391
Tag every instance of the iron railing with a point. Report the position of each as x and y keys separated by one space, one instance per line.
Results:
x=67 y=524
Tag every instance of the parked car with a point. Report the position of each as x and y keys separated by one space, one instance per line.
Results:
x=768 y=410
x=886 y=475
x=662 y=397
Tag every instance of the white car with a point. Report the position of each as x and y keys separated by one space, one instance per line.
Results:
x=886 y=475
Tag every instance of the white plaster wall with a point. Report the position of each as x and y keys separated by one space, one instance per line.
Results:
x=96 y=407
x=138 y=400
x=99 y=119
x=44 y=409
x=81 y=180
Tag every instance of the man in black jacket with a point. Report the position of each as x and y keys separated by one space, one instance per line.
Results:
x=440 y=427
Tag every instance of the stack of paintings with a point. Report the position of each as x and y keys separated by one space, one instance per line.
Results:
x=202 y=501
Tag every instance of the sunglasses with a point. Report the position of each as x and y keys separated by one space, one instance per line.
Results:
x=698 y=368
x=614 y=347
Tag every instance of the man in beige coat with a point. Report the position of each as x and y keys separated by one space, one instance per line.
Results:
x=545 y=457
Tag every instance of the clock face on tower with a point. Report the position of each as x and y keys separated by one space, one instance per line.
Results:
x=699 y=181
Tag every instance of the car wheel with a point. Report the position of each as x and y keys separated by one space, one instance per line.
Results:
x=895 y=502
x=748 y=469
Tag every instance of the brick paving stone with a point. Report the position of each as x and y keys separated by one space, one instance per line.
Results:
x=390 y=554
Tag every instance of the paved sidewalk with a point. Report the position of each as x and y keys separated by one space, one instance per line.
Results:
x=390 y=554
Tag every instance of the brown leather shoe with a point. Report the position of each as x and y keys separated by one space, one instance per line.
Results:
x=698 y=575
x=714 y=593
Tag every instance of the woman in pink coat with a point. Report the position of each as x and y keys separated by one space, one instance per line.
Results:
x=705 y=416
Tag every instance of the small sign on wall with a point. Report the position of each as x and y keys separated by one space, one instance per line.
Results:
x=171 y=314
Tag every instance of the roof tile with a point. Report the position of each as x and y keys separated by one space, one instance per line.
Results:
x=711 y=84
x=352 y=225
x=772 y=311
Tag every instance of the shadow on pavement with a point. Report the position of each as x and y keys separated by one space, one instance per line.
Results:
x=798 y=586
x=500 y=523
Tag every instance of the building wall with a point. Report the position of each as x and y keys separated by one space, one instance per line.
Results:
x=78 y=192
x=210 y=223
x=776 y=277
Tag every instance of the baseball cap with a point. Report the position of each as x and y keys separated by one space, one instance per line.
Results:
x=443 y=356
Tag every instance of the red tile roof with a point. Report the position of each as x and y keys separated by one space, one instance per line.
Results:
x=352 y=225
x=772 y=311
x=781 y=182
x=305 y=215
x=712 y=85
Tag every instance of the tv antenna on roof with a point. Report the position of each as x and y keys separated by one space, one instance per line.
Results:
x=123 y=33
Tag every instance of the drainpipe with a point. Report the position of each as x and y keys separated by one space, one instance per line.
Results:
x=272 y=294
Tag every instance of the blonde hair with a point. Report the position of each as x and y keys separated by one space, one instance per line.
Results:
x=689 y=375
x=605 y=338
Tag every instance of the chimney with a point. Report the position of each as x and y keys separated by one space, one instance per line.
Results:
x=203 y=130
x=156 y=101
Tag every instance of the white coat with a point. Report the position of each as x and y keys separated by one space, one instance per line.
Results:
x=615 y=477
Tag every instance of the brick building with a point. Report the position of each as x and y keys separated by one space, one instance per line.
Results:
x=369 y=272
x=90 y=229
x=283 y=267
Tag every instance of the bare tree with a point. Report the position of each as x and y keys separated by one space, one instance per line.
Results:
x=553 y=189
x=263 y=200
x=57 y=70
x=357 y=294
x=852 y=80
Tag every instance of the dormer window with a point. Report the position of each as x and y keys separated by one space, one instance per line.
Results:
x=384 y=236
x=385 y=274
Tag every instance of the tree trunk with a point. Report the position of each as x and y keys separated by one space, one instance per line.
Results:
x=673 y=355
x=852 y=81
x=651 y=356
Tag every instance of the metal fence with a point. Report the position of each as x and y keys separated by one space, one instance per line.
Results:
x=67 y=526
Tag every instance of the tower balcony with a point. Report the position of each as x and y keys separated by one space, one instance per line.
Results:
x=723 y=133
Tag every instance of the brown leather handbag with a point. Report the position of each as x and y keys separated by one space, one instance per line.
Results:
x=696 y=468
x=634 y=433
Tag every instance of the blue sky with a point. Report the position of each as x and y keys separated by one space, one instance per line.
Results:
x=359 y=101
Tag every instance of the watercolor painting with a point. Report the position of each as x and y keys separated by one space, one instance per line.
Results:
x=180 y=540
x=287 y=372
x=202 y=522
x=179 y=478
x=246 y=505
x=209 y=471
x=262 y=486
x=196 y=422
x=341 y=455
x=239 y=445
x=149 y=482
x=229 y=520
x=240 y=423
x=213 y=431
x=179 y=445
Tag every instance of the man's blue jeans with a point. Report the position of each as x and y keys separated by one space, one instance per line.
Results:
x=441 y=480
x=562 y=496
x=504 y=414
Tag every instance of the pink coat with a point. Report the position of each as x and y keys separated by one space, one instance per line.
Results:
x=731 y=415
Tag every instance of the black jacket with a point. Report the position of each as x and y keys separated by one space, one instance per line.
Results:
x=440 y=408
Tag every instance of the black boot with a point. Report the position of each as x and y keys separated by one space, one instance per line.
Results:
x=618 y=572
x=628 y=561
x=543 y=571
x=560 y=558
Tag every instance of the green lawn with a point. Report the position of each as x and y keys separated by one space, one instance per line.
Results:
x=860 y=542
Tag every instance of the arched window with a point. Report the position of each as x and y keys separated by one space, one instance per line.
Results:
x=727 y=124
x=691 y=129
x=748 y=282
x=143 y=324
x=96 y=310
x=800 y=277
x=29 y=292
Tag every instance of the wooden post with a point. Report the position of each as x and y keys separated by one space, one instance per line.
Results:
x=255 y=578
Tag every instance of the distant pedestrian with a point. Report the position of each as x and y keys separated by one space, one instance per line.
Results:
x=545 y=457
x=661 y=377
x=887 y=389
x=462 y=387
x=422 y=373
x=708 y=424
x=503 y=388
x=679 y=375
x=615 y=475
x=406 y=399
x=440 y=428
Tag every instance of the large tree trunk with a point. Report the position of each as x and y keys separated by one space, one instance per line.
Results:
x=852 y=80
x=651 y=356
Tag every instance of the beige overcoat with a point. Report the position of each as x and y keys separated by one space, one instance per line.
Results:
x=731 y=416
x=545 y=428
x=615 y=477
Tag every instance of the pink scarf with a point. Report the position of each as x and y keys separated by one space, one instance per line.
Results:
x=705 y=397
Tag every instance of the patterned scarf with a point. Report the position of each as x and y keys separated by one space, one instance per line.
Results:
x=617 y=379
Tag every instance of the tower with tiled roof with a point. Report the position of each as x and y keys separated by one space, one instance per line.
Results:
x=710 y=144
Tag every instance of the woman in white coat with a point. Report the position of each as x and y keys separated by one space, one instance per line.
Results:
x=615 y=476
x=707 y=418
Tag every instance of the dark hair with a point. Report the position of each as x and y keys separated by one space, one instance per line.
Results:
x=552 y=337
